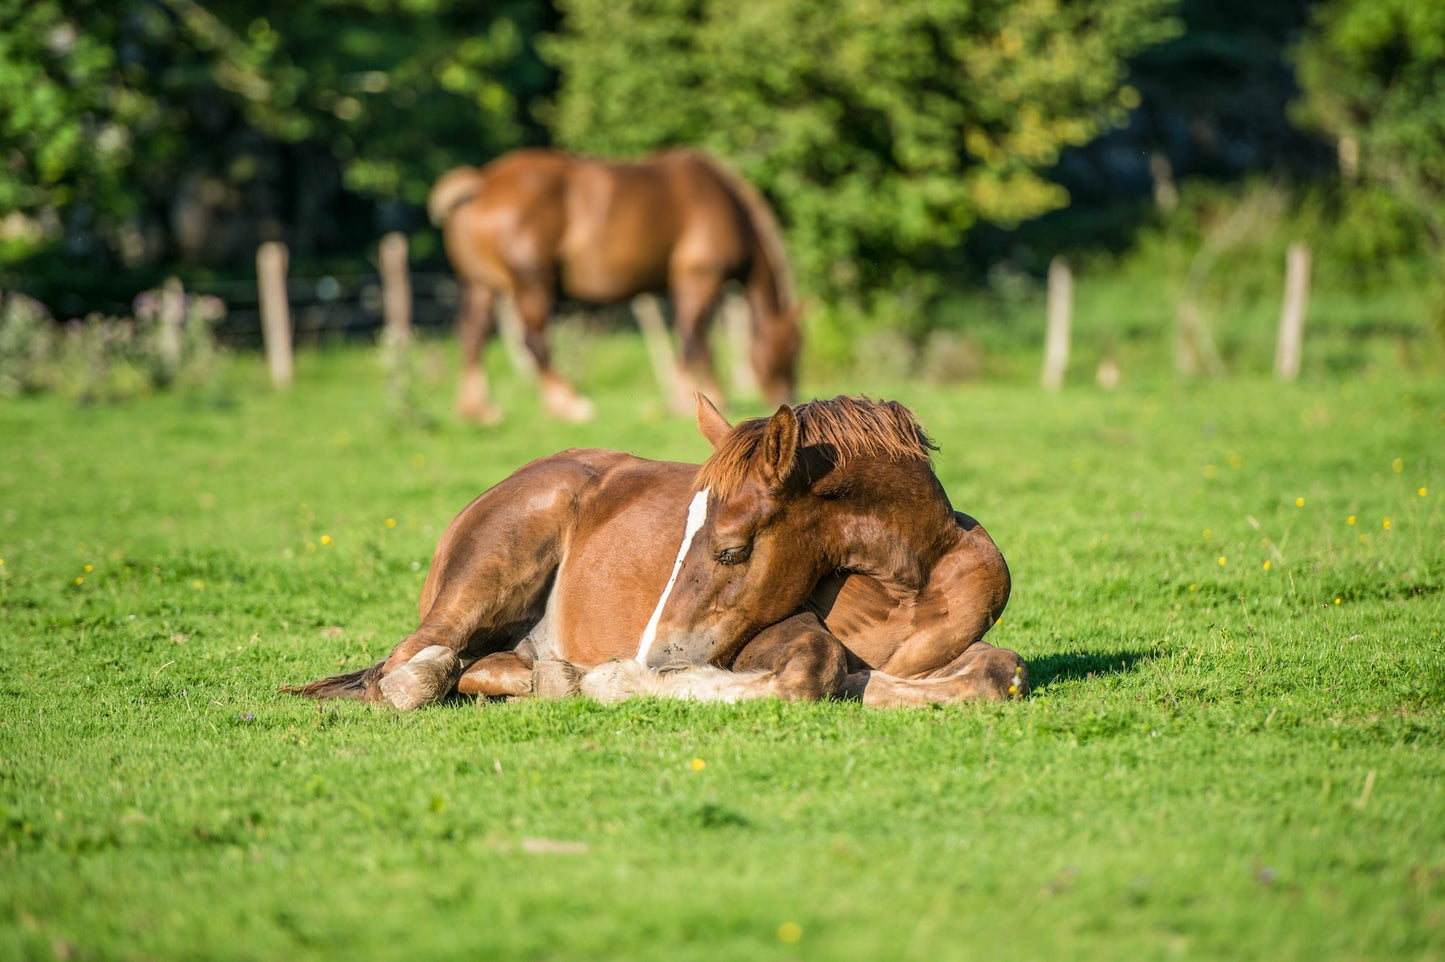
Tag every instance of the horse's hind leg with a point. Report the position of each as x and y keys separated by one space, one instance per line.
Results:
x=982 y=673
x=488 y=582
x=475 y=322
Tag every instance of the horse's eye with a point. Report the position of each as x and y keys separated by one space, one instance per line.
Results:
x=734 y=556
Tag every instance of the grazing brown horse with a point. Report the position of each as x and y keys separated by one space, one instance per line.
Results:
x=813 y=555
x=534 y=224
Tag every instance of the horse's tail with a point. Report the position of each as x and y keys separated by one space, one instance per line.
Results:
x=351 y=685
x=455 y=187
x=765 y=226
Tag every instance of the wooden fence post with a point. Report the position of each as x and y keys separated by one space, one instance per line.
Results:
x=172 y=318
x=271 y=258
x=1289 y=348
x=395 y=286
x=1060 y=310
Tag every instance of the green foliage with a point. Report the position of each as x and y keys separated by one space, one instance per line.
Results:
x=879 y=130
x=396 y=90
x=72 y=119
x=1224 y=246
x=169 y=343
x=27 y=345
x=116 y=108
x=1221 y=760
x=1372 y=77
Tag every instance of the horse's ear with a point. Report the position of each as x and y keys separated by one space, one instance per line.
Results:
x=710 y=421
x=780 y=447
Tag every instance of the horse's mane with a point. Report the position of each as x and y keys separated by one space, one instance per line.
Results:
x=841 y=429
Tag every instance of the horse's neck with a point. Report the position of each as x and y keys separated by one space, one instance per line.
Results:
x=765 y=294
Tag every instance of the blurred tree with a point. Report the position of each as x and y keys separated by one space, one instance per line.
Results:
x=68 y=118
x=1372 y=74
x=186 y=129
x=880 y=129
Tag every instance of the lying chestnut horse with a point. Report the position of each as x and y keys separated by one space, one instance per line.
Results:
x=534 y=224
x=814 y=554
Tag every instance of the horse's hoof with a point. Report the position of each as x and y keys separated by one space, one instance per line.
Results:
x=576 y=410
x=428 y=677
x=618 y=680
x=486 y=415
x=556 y=679
x=562 y=401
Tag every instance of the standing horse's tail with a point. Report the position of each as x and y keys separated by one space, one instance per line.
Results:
x=455 y=187
x=351 y=685
x=765 y=225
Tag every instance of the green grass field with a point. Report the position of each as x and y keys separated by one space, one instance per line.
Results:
x=1231 y=595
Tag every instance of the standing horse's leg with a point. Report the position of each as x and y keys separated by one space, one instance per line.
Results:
x=534 y=301
x=694 y=292
x=475 y=322
x=981 y=673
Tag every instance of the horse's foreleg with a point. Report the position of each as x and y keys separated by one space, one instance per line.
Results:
x=500 y=674
x=795 y=659
x=475 y=323
x=534 y=302
x=803 y=659
x=981 y=673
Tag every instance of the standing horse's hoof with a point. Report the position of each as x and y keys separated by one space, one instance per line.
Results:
x=428 y=677
x=575 y=409
x=485 y=414
x=562 y=401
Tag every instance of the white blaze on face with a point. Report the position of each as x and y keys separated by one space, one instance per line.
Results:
x=696 y=515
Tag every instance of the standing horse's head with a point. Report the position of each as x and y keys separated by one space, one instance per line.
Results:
x=776 y=345
x=781 y=503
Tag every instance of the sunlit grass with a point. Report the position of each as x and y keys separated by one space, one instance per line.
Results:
x=1230 y=596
